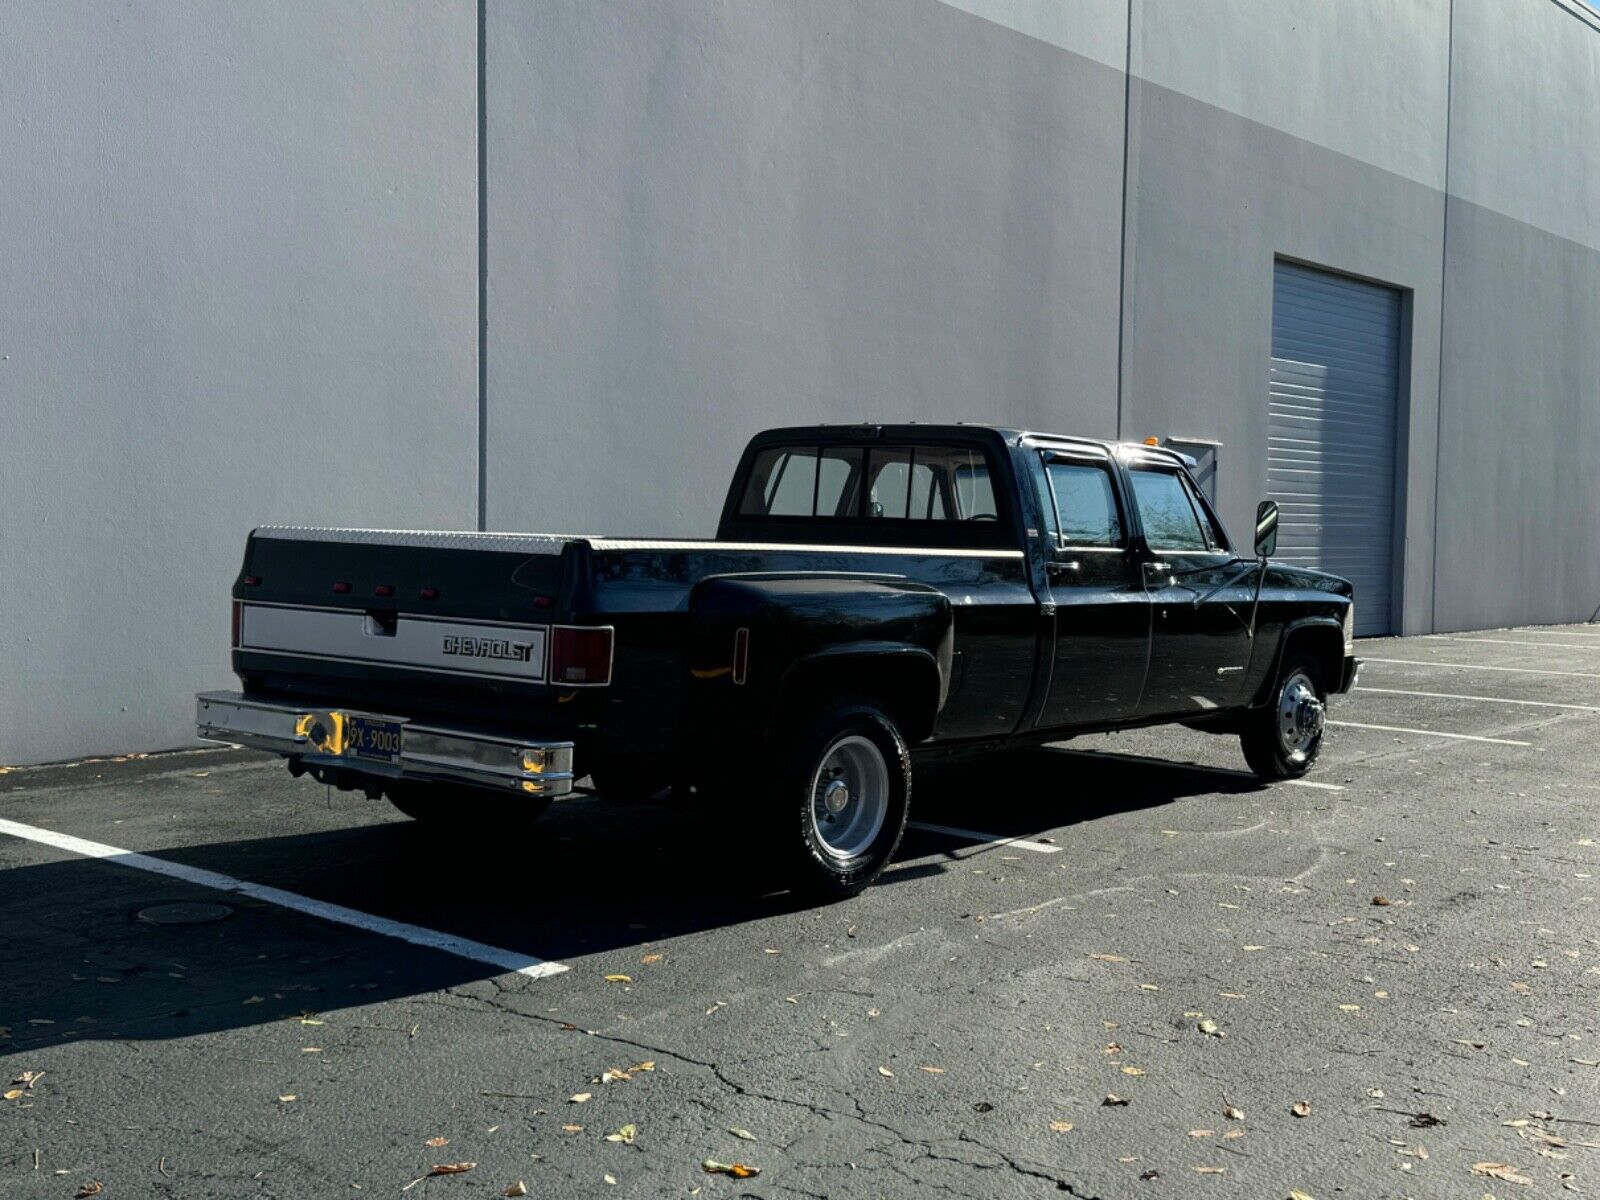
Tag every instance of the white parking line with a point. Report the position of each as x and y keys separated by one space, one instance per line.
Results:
x=506 y=960
x=1483 y=641
x=1593 y=708
x=987 y=839
x=1414 y=662
x=1459 y=737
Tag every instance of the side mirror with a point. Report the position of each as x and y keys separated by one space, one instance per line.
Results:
x=1266 y=528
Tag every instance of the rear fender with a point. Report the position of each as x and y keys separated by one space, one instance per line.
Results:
x=758 y=641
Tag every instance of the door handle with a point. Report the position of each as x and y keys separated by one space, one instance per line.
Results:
x=1071 y=567
x=1158 y=568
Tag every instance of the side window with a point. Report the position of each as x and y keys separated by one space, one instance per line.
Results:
x=1209 y=524
x=1085 y=504
x=1165 y=511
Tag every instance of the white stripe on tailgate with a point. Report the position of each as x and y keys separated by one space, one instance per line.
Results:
x=460 y=647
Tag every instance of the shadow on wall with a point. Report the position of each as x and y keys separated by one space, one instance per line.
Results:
x=597 y=878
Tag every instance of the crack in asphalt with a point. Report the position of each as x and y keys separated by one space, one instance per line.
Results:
x=926 y=1147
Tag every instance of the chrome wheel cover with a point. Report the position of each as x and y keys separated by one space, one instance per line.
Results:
x=1301 y=716
x=849 y=797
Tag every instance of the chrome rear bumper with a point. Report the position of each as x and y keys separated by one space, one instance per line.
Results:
x=427 y=753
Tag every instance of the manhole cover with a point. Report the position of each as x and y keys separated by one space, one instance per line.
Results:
x=184 y=914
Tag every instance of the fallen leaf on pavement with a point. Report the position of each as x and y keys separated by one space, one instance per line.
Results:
x=436 y=1142
x=1297 y=1194
x=625 y=1135
x=1503 y=1171
x=1302 y=1109
x=651 y=958
x=619 y=978
x=885 y=1072
x=1210 y=1170
x=610 y=1178
x=93 y=1188
x=1210 y=1029
x=1349 y=1008
x=1381 y=901
x=1200 y=1133
x=1113 y=1101
x=1133 y=1070
x=1109 y=957
x=289 y=1099
x=1233 y=1133
x=738 y=1170
x=932 y=1070
x=572 y=1129
x=580 y=1097
x=745 y=1134
x=648 y=1064
x=15 y=1094
x=1060 y=1126
x=460 y=1168
x=516 y=1189
x=1232 y=1113
x=28 y=1078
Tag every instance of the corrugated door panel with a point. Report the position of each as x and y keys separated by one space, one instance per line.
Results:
x=1332 y=430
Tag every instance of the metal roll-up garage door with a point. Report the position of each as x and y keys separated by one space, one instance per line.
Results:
x=1332 y=430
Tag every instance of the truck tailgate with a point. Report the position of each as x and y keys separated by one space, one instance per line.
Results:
x=419 y=618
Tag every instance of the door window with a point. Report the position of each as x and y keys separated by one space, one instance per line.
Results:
x=1085 y=504
x=1165 y=511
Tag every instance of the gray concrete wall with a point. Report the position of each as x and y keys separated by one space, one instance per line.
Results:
x=706 y=219
x=238 y=284
x=1519 y=518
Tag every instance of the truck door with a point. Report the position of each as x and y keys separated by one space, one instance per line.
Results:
x=1102 y=614
x=1200 y=596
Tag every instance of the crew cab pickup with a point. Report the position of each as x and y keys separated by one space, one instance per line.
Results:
x=875 y=595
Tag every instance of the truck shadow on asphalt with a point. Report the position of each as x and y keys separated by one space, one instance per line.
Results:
x=590 y=878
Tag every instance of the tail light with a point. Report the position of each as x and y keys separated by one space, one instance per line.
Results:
x=581 y=654
x=238 y=620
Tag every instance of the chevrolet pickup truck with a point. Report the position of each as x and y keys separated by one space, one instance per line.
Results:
x=876 y=595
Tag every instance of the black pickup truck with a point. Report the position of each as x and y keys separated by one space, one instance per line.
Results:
x=875 y=595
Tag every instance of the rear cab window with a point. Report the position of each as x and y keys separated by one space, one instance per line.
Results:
x=926 y=493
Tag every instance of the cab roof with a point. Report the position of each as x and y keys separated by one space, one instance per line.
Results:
x=867 y=431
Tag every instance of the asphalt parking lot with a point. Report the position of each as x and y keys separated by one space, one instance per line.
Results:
x=1117 y=968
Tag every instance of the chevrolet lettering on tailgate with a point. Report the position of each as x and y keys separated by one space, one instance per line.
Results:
x=477 y=647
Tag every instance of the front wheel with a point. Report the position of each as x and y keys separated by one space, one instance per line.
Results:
x=1282 y=739
x=441 y=805
x=843 y=795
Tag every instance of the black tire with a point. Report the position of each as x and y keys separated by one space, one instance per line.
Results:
x=1281 y=740
x=441 y=805
x=855 y=739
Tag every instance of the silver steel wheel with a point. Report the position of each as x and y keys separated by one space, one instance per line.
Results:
x=849 y=796
x=1301 y=716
